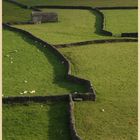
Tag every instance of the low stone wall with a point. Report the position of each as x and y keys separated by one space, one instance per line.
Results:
x=39 y=99
x=19 y=4
x=118 y=7
x=62 y=7
x=52 y=98
x=20 y=23
x=84 y=7
x=83 y=97
x=83 y=43
x=73 y=131
x=103 y=31
x=129 y=35
x=82 y=81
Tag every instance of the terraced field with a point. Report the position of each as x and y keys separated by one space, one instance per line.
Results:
x=42 y=72
x=13 y=13
x=112 y=68
x=35 y=121
x=94 y=3
x=121 y=21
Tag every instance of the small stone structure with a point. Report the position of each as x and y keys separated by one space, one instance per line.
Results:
x=42 y=17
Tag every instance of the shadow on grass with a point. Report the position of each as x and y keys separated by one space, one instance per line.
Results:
x=28 y=123
x=59 y=69
x=58 y=122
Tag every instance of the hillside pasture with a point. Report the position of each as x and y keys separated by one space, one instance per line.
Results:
x=112 y=69
x=29 y=66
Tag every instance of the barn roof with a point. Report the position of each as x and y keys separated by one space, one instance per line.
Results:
x=43 y=13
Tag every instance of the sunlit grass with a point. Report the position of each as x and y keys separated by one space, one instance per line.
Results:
x=121 y=21
x=112 y=69
x=31 y=69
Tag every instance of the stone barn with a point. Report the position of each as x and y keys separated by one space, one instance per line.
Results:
x=42 y=17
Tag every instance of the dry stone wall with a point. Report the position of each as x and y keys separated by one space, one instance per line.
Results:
x=95 y=42
x=73 y=131
x=129 y=35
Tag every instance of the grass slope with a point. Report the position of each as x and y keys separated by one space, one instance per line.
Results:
x=125 y=21
x=95 y=3
x=112 y=68
x=11 y=12
x=34 y=121
x=70 y=28
x=25 y=60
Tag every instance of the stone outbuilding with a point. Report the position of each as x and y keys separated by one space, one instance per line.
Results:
x=42 y=17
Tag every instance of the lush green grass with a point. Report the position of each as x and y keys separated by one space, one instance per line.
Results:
x=112 y=68
x=96 y=3
x=73 y=26
x=11 y=13
x=35 y=64
x=34 y=121
x=121 y=21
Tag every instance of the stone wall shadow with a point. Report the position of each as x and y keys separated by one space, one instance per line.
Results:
x=59 y=68
x=58 y=121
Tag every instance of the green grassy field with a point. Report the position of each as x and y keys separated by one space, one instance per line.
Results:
x=70 y=28
x=96 y=3
x=27 y=66
x=11 y=12
x=121 y=21
x=34 y=121
x=112 y=68
x=30 y=69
